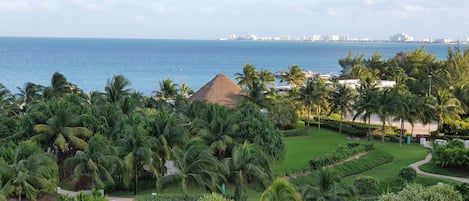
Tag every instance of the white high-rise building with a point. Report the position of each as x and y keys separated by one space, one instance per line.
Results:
x=401 y=37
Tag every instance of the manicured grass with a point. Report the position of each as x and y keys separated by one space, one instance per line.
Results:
x=252 y=194
x=301 y=149
x=372 y=159
x=431 y=168
x=404 y=156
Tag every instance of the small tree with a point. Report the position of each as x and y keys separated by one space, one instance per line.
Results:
x=213 y=197
x=366 y=185
x=408 y=173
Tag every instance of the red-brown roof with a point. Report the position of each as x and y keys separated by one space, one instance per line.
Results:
x=220 y=90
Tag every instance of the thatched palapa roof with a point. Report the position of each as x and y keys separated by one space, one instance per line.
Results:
x=220 y=90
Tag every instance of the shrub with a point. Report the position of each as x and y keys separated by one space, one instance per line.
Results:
x=82 y=196
x=212 y=197
x=159 y=197
x=366 y=185
x=408 y=173
x=391 y=184
x=418 y=192
x=451 y=155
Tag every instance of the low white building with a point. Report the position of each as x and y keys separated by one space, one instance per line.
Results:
x=355 y=83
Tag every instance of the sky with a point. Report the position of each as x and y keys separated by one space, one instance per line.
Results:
x=212 y=19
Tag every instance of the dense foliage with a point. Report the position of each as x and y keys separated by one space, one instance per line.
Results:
x=453 y=154
x=366 y=185
x=408 y=173
x=412 y=192
x=121 y=140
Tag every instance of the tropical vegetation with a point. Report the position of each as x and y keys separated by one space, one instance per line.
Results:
x=120 y=140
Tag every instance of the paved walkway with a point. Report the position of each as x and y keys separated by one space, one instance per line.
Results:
x=74 y=193
x=427 y=159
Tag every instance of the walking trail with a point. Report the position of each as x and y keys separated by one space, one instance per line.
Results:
x=427 y=159
x=74 y=193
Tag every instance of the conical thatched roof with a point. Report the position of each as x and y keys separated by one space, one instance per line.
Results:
x=220 y=90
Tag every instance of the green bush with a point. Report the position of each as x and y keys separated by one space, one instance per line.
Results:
x=213 y=197
x=94 y=195
x=366 y=185
x=391 y=185
x=171 y=197
x=418 y=192
x=347 y=129
x=341 y=153
x=451 y=155
x=408 y=173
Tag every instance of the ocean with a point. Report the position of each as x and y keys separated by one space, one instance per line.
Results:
x=90 y=63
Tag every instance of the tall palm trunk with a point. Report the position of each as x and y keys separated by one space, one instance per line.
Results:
x=382 y=134
x=309 y=116
x=239 y=186
x=369 y=127
x=20 y=188
x=318 y=111
x=136 y=178
x=341 y=119
x=401 y=132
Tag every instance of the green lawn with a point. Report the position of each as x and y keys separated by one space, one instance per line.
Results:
x=404 y=156
x=300 y=149
x=429 y=167
x=252 y=194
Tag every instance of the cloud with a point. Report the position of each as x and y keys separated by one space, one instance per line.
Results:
x=139 y=18
x=22 y=6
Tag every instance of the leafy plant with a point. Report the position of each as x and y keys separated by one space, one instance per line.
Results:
x=366 y=185
x=408 y=173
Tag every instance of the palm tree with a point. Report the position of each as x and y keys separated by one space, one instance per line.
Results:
x=267 y=79
x=139 y=151
x=314 y=93
x=247 y=77
x=342 y=100
x=116 y=89
x=169 y=125
x=26 y=170
x=97 y=162
x=326 y=187
x=247 y=161
x=384 y=106
x=367 y=94
x=280 y=190
x=305 y=95
x=59 y=87
x=196 y=164
x=217 y=132
x=257 y=95
x=29 y=94
x=168 y=90
x=320 y=94
x=185 y=91
x=8 y=106
x=447 y=108
x=294 y=76
x=62 y=132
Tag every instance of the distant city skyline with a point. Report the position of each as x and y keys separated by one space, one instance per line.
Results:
x=211 y=19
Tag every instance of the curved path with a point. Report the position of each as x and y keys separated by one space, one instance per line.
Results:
x=74 y=193
x=427 y=159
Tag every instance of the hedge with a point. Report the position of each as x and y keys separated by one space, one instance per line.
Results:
x=371 y=160
x=341 y=153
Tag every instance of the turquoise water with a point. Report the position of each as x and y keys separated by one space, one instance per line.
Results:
x=89 y=63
